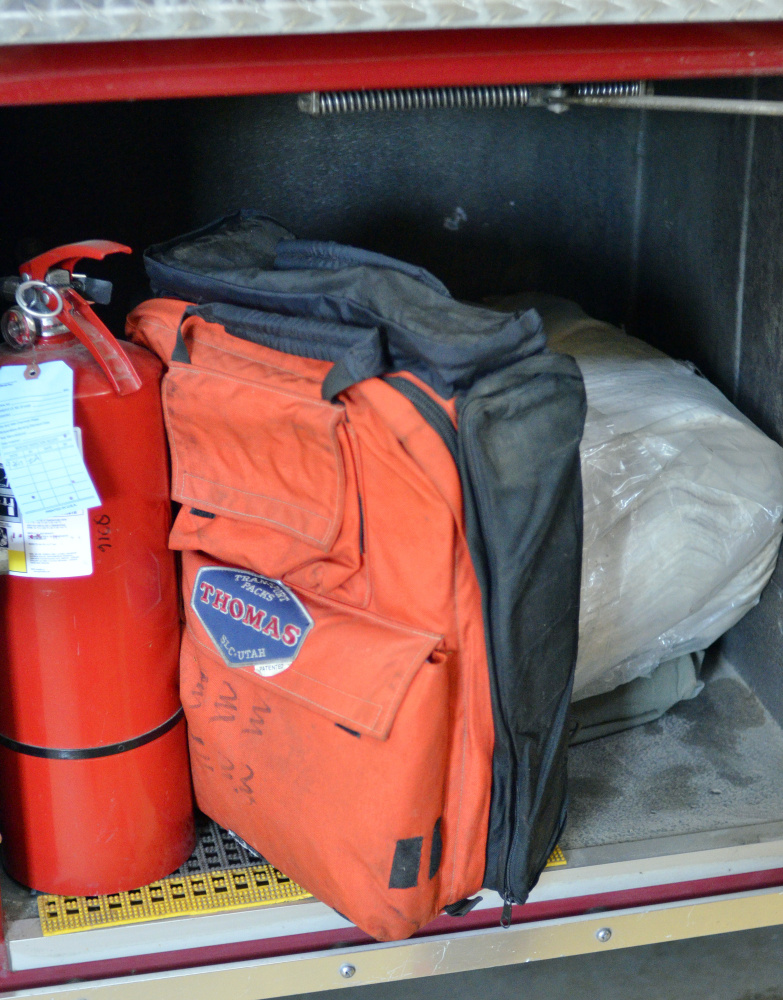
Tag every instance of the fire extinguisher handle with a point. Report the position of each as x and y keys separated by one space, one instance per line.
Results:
x=77 y=314
x=84 y=324
x=68 y=256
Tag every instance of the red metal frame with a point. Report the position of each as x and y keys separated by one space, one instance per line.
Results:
x=98 y=71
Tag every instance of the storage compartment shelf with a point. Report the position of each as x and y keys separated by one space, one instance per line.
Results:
x=702 y=767
x=653 y=807
x=670 y=225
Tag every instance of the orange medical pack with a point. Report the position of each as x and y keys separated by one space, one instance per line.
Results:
x=381 y=535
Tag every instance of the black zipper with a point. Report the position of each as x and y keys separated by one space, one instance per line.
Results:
x=432 y=412
x=441 y=423
x=509 y=900
x=508 y=896
x=361 y=521
x=353 y=446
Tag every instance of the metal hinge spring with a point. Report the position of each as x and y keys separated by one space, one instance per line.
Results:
x=339 y=102
x=633 y=95
x=629 y=88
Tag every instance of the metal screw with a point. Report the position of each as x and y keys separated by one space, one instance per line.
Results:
x=604 y=934
x=346 y=971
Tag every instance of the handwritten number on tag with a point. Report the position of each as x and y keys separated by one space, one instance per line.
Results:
x=103 y=523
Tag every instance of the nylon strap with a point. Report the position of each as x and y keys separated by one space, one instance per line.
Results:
x=180 y=352
x=364 y=359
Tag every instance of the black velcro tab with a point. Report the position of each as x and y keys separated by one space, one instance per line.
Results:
x=200 y=513
x=437 y=849
x=407 y=860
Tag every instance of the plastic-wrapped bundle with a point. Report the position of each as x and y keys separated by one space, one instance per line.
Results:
x=683 y=498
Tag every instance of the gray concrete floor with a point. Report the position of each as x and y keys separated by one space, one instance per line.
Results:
x=745 y=966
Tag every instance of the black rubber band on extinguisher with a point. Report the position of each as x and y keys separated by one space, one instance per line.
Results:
x=89 y=753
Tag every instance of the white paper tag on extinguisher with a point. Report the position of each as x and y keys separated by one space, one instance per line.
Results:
x=53 y=547
x=42 y=462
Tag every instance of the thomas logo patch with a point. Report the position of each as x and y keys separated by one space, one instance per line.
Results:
x=253 y=621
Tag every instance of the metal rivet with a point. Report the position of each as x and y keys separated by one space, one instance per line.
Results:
x=346 y=971
x=604 y=934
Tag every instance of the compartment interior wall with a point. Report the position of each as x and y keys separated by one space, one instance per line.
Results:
x=670 y=224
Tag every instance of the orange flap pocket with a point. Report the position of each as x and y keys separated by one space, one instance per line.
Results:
x=354 y=667
x=351 y=666
x=254 y=452
x=335 y=763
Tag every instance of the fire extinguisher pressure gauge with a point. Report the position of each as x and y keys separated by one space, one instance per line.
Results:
x=19 y=331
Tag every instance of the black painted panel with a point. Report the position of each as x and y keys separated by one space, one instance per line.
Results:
x=113 y=171
x=756 y=643
x=761 y=366
x=690 y=233
x=491 y=201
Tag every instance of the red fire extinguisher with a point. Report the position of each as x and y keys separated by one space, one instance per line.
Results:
x=95 y=792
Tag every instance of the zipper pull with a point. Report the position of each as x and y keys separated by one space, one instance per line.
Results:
x=505 y=919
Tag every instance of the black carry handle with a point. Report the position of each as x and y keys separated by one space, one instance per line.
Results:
x=292 y=255
x=180 y=352
x=364 y=359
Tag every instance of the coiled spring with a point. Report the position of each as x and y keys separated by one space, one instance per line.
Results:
x=416 y=99
x=631 y=88
x=340 y=102
x=632 y=94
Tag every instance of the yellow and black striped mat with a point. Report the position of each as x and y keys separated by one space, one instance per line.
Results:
x=199 y=887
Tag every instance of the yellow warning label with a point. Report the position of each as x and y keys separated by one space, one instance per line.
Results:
x=556 y=859
x=17 y=561
x=190 y=895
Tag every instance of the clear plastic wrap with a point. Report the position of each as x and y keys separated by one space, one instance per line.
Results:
x=683 y=499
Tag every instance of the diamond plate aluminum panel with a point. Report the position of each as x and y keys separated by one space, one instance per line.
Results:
x=31 y=21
